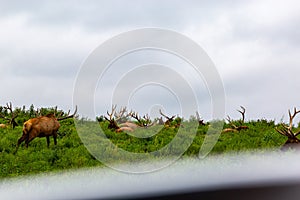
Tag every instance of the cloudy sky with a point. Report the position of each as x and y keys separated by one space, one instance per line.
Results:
x=255 y=46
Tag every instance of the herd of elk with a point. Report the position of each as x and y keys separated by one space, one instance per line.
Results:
x=119 y=121
x=48 y=125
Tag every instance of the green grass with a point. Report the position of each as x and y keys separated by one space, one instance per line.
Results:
x=70 y=153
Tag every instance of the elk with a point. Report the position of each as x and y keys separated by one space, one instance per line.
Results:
x=288 y=130
x=235 y=128
x=118 y=117
x=10 y=120
x=118 y=121
x=168 y=122
x=42 y=126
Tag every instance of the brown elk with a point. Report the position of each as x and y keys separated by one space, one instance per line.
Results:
x=169 y=120
x=288 y=130
x=42 y=126
x=12 y=119
x=118 y=121
x=235 y=128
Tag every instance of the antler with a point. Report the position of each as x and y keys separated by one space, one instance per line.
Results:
x=136 y=116
x=13 y=115
x=111 y=115
x=168 y=118
x=144 y=122
x=288 y=130
x=236 y=128
x=122 y=115
x=231 y=122
x=147 y=118
x=68 y=115
x=242 y=113
x=292 y=117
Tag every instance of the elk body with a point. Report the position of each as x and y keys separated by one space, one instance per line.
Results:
x=43 y=126
x=3 y=126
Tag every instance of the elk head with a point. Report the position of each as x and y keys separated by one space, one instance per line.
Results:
x=169 y=119
x=13 y=115
x=112 y=122
x=42 y=126
x=288 y=130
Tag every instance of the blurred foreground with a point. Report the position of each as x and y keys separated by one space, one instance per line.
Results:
x=248 y=176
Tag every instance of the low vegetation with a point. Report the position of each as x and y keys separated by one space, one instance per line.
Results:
x=70 y=153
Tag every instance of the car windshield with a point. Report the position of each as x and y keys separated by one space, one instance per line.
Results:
x=149 y=99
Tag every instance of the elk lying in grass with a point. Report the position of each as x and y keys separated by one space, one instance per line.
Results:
x=235 y=128
x=118 y=121
x=288 y=131
x=12 y=119
x=42 y=126
x=114 y=118
x=169 y=121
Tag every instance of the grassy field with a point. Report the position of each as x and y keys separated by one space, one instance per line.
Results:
x=70 y=153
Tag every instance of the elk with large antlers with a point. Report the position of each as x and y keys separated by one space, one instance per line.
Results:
x=288 y=130
x=12 y=119
x=115 y=117
x=168 y=122
x=43 y=126
x=235 y=128
x=118 y=121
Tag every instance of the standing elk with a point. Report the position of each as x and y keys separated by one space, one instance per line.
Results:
x=42 y=126
x=11 y=120
x=288 y=131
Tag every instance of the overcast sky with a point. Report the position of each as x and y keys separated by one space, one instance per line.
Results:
x=255 y=46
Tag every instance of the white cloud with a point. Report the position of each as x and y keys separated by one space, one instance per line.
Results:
x=254 y=44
